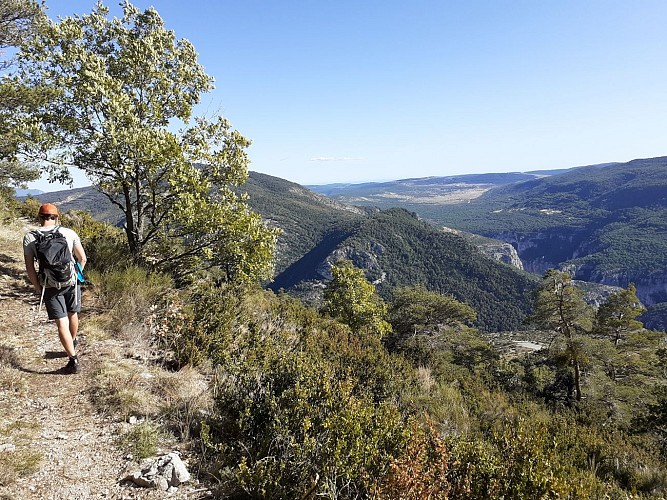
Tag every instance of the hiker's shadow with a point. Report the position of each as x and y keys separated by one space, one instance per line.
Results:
x=58 y=371
x=47 y=355
x=55 y=354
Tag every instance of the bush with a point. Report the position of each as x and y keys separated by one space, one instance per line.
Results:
x=288 y=422
x=141 y=440
x=300 y=403
x=198 y=325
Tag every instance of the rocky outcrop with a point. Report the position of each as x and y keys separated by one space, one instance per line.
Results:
x=651 y=288
x=502 y=252
x=545 y=250
x=560 y=249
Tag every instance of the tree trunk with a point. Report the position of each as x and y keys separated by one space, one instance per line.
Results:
x=131 y=229
x=577 y=379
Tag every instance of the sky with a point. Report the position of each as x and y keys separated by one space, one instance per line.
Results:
x=357 y=91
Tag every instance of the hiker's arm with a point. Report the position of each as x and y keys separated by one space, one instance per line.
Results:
x=80 y=254
x=32 y=272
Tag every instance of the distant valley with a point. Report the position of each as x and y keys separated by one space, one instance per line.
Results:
x=602 y=223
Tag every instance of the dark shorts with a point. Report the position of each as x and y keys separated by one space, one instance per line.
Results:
x=60 y=302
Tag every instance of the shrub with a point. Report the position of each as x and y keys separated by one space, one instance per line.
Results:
x=288 y=422
x=301 y=402
x=141 y=440
x=199 y=324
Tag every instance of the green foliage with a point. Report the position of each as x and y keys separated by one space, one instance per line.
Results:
x=414 y=309
x=113 y=103
x=350 y=298
x=654 y=417
x=613 y=218
x=16 y=22
x=105 y=245
x=17 y=18
x=615 y=318
x=198 y=325
x=141 y=440
x=302 y=402
x=398 y=249
x=304 y=217
x=129 y=294
x=560 y=306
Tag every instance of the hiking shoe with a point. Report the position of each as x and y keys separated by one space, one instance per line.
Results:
x=72 y=366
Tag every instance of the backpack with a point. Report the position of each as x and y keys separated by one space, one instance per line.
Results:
x=55 y=258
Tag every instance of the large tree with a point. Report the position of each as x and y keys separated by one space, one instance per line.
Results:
x=17 y=18
x=120 y=88
x=559 y=306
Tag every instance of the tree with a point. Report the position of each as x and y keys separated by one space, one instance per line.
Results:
x=415 y=309
x=350 y=298
x=560 y=306
x=17 y=18
x=616 y=317
x=120 y=88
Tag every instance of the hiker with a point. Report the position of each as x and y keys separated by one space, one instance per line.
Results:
x=57 y=285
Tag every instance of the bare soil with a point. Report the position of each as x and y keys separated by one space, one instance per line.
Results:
x=54 y=444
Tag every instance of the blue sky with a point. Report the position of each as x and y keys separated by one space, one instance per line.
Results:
x=353 y=91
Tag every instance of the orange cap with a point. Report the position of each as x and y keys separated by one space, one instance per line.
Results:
x=48 y=209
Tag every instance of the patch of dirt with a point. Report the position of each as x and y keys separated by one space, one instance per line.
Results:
x=53 y=442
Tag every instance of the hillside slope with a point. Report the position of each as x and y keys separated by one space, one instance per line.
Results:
x=318 y=230
x=396 y=249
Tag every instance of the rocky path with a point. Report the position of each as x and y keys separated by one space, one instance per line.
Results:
x=53 y=443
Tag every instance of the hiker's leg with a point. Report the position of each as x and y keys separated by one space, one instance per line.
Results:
x=73 y=304
x=73 y=324
x=65 y=335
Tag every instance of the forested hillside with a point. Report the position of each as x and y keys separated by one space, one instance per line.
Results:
x=384 y=388
x=395 y=249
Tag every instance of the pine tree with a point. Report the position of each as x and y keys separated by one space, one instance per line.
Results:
x=617 y=316
x=560 y=306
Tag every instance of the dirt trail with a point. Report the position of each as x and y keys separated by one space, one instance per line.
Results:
x=56 y=443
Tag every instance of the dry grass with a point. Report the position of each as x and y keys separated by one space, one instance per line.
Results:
x=425 y=378
x=11 y=236
x=124 y=388
x=141 y=440
x=186 y=399
x=12 y=381
x=19 y=460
